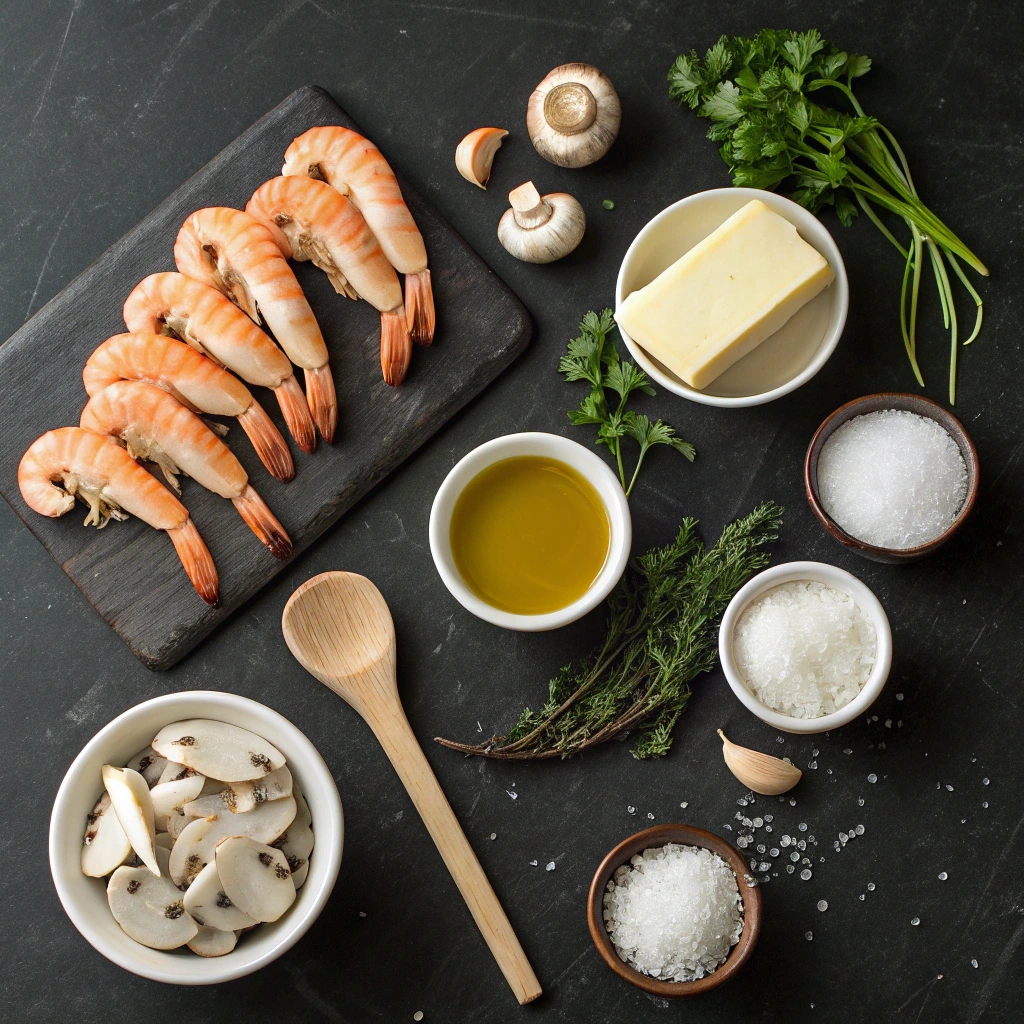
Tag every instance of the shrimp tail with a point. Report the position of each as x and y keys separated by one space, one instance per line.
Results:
x=196 y=560
x=267 y=440
x=253 y=509
x=323 y=402
x=296 y=414
x=419 y=307
x=395 y=346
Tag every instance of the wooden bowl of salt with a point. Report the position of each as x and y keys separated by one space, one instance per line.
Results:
x=653 y=838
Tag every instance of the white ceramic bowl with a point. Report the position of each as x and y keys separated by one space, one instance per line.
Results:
x=552 y=446
x=85 y=899
x=781 y=363
x=838 y=579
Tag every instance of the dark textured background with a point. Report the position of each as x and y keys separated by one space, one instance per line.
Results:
x=110 y=105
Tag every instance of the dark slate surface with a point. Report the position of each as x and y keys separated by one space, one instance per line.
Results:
x=110 y=105
x=132 y=577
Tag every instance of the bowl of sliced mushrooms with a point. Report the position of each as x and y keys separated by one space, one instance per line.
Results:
x=196 y=838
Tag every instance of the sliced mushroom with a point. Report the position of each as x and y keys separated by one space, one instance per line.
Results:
x=221 y=802
x=149 y=764
x=149 y=908
x=256 y=877
x=541 y=229
x=296 y=844
x=212 y=941
x=475 y=154
x=303 y=819
x=174 y=771
x=246 y=795
x=129 y=796
x=169 y=797
x=208 y=903
x=573 y=116
x=104 y=845
x=188 y=857
x=218 y=750
x=178 y=819
x=299 y=874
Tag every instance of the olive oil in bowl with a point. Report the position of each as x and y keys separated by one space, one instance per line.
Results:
x=529 y=535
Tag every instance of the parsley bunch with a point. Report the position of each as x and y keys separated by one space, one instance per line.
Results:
x=592 y=357
x=757 y=92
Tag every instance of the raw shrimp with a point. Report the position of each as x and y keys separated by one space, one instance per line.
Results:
x=357 y=169
x=156 y=427
x=195 y=380
x=313 y=221
x=240 y=257
x=98 y=470
x=211 y=323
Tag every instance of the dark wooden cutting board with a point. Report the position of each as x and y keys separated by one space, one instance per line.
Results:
x=130 y=572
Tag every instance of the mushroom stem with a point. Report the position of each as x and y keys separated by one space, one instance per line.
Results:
x=570 y=108
x=529 y=209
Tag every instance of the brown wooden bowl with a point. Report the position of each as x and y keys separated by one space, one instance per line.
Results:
x=659 y=835
x=909 y=403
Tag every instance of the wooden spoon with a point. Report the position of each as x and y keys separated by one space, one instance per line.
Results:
x=340 y=630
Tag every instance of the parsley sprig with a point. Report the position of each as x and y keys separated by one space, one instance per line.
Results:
x=592 y=357
x=757 y=93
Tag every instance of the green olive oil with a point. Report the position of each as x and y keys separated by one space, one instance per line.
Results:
x=529 y=535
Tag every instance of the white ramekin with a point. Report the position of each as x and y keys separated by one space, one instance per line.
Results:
x=552 y=446
x=85 y=899
x=838 y=579
x=678 y=228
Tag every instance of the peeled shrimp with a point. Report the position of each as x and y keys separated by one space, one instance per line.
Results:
x=157 y=428
x=195 y=380
x=211 y=323
x=240 y=257
x=357 y=169
x=71 y=462
x=313 y=221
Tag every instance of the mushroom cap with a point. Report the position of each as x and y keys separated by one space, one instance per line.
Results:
x=574 y=115
x=549 y=240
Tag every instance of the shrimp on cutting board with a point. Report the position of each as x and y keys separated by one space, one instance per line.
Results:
x=356 y=168
x=156 y=427
x=70 y=463
x=313 y=221
x=212 y=324
x=195 y=380
x=240 y=257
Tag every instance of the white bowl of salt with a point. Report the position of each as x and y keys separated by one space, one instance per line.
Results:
x=805 y=646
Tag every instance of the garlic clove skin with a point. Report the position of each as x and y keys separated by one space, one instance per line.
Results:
x=759 y=772
x=541 y=229
x=573 y=116
x=475 y=154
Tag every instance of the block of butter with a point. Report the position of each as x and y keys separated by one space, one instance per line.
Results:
x=729 y=293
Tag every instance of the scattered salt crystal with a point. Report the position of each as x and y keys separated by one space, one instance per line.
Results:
x=949 y=788
x=915 y=921
x=550 y=866
x=860 y=800
x=804 y=649
x=418 y=1015
x=494 y=835
x=631 y=810
x=684 y=804
x=984 y=803
x=802 y=826
x=872 y=778
x=848 y=750
x=792 y=801
x=822 y=905
x=650 y=815
x=899 y=696
x=943 y=876
x=859 y=830
x=892 y=478
x=758 y=822
x=533 y=863
x=984 y=782
x=974 y=964
x=362 y=913
x=808 y=936
x=512 y=793
x=806 y=874
x=674 y=912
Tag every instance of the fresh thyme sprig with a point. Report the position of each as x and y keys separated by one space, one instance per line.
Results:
x=592 y=357
x=662 y=633
x=756 y=91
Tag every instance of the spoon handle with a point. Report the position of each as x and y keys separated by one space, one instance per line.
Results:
x=400 y=744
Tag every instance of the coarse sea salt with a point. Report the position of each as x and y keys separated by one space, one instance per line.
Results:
x=674 y=912
x=892 y=478
x=804 y=649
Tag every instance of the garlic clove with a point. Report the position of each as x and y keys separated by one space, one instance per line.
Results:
x=475 y=154
x=759 y=772
x=209 y=905
x=541 y=229
x=149 y=908
x=212 y=941
x=573 y=115
x=129 y=796
x=188 y=856
x=247 y=795
x=169 y=797
x=149 y=764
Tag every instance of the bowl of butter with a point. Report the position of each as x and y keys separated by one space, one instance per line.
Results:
x=732 y=297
